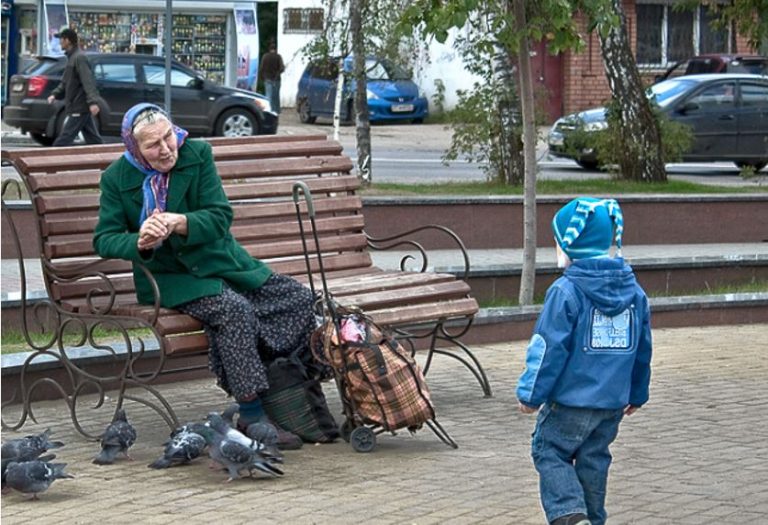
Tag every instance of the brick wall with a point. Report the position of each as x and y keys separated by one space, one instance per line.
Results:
x=584 y=82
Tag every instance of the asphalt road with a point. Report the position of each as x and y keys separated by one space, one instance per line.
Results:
x=408 y=153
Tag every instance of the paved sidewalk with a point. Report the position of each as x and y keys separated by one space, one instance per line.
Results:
x=695 y=454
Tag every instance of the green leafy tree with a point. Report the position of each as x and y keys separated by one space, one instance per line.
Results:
x=363 y=27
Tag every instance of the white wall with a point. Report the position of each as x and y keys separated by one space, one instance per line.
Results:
x=444 y=63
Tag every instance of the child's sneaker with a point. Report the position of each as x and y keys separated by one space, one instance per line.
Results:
x=572 y=519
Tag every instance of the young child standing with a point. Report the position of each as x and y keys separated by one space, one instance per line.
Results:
x=588 y=362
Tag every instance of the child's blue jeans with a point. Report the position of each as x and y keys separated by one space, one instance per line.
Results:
x=570 y=452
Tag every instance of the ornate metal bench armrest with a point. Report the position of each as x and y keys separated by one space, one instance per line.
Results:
x=101 y=283
x=400 y=239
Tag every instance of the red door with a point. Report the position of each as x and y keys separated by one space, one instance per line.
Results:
x=547 y=82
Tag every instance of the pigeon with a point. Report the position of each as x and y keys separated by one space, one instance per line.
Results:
x=29 y=447
x=118 y=437
x=237 y=452
x=34 y=477
x=262 y=432
x=185 y=444
x=229 y=414
x=3 y=486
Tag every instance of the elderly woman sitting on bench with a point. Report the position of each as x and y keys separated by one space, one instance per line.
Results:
x=163 y=204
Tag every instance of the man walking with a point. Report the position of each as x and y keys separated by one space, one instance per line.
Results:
x=270 y=69
x=78 y=89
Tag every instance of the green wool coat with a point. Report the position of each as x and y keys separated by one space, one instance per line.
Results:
x=185 y=267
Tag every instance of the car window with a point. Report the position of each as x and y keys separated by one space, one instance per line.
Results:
x=44 y=67
x=115 y=72
x=716 y=97
x=703 y=65
x=755 y=67
x=664 y=93
x=155 y=76
x=754 y=95
x=326 y=70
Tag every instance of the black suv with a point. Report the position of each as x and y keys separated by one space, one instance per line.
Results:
x=198 y=105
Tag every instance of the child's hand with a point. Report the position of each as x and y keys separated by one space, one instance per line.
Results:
x=630 y=409
x=525 y=409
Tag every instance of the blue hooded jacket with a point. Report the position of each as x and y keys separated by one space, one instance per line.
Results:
x=591 y=346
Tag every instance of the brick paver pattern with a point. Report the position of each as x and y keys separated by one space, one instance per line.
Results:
x=696 y=453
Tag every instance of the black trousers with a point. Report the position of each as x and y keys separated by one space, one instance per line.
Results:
x=74 y=124
x=245 y=329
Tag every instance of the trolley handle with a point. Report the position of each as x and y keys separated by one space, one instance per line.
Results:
x=301 y=185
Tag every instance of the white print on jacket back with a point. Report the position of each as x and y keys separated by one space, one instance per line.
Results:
x=611 y=333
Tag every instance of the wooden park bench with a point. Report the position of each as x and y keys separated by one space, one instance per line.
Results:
x=258 y=175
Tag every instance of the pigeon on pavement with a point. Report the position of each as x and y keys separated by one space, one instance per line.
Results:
x=237 y=452
x=118 y=437
x=29 y=447
x=185 y=444
x=262 y=432
x=34 y=477
x=26 y=449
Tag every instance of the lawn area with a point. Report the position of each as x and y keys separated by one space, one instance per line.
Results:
x=555 y=187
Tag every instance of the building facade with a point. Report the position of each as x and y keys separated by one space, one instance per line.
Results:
x=208 y=36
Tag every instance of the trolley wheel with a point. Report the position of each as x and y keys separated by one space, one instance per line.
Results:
x=363 y=439
x=346 y=429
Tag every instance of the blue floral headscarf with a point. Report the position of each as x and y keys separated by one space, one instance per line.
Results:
x=155 y=185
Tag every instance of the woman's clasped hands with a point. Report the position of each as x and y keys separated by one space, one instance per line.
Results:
x=158 y=227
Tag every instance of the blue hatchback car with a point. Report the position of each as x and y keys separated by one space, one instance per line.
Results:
x=392 y=95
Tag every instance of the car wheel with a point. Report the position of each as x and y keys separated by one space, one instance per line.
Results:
x=588 y=164
x=756 y=165
x=41 y=139
x=237 y=122
x=305 y=115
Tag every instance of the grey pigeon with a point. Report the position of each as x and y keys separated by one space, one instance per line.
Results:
x=29 y=447
x=34 y=477
x=263 y=432
x=229 y=414
x=118 y=437
x=186 y=443
x=26 y=449
x=3 y=486
x=237 y=452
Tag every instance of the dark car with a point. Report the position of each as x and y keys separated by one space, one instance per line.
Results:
x=392 y=95
x=198 y=105
x=727 y=114
x=704 y=64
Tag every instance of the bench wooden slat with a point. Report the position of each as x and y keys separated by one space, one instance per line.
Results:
x=68 y=203
x=411 y=315
x=99 y=158
x=384 y=281
x=269 y=250
x=331 y=263
x=286 y=208
x=416 y=294
x=14 y=154
x=84 y=179
x=282 y=230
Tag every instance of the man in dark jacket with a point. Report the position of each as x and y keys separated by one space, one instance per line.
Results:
x=270 y=70
x=78 y=89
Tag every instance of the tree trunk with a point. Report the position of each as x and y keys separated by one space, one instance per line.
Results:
x=527 y=104
x=640 y=157
x=506 y=136
x=362 y=121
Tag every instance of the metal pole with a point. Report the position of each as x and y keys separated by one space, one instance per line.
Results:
x=167 y=51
